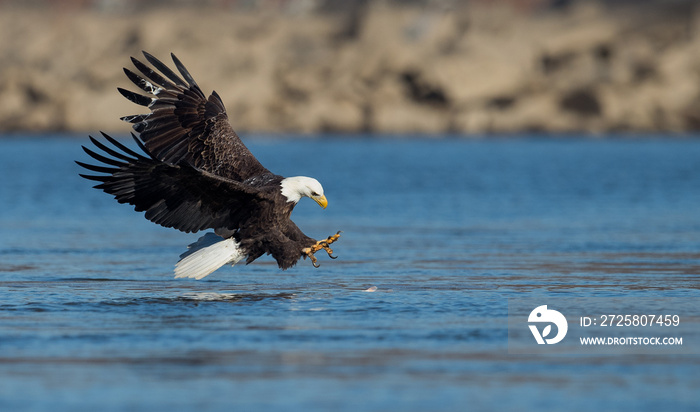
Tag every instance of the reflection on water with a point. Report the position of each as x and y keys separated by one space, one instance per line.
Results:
x=442 y=232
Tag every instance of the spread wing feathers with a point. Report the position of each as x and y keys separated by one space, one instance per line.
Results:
x=184 y=124
x=172 y=195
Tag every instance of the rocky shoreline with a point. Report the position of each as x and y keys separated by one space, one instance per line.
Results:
x=388 y=69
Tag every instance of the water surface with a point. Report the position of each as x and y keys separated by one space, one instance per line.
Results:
x=446 y=230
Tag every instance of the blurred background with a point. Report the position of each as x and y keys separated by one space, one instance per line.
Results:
x=319 y=66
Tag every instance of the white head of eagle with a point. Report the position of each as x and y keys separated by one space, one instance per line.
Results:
x=294 y=188
x=192 y=172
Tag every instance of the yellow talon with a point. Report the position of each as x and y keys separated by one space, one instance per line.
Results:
x=321 y=244
x=311 y=256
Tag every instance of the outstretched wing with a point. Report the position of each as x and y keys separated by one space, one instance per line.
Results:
x=172 y=195
x=185 y=125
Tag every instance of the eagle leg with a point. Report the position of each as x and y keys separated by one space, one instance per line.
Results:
x=321 y=244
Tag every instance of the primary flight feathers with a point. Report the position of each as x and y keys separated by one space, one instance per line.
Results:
x=195 y=173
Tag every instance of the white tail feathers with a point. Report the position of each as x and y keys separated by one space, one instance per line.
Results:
x=207 y=254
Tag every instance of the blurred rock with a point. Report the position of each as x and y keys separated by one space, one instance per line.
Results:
x=374 y=67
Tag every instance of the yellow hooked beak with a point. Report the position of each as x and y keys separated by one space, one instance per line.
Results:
x=321 y=200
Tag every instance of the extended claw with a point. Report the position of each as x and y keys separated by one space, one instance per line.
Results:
x=314 y=261
x=328 y=250
x=321 y=244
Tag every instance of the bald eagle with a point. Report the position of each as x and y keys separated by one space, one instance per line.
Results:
x=194 y=173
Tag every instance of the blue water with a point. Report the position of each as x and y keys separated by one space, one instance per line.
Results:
x=446 y=230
